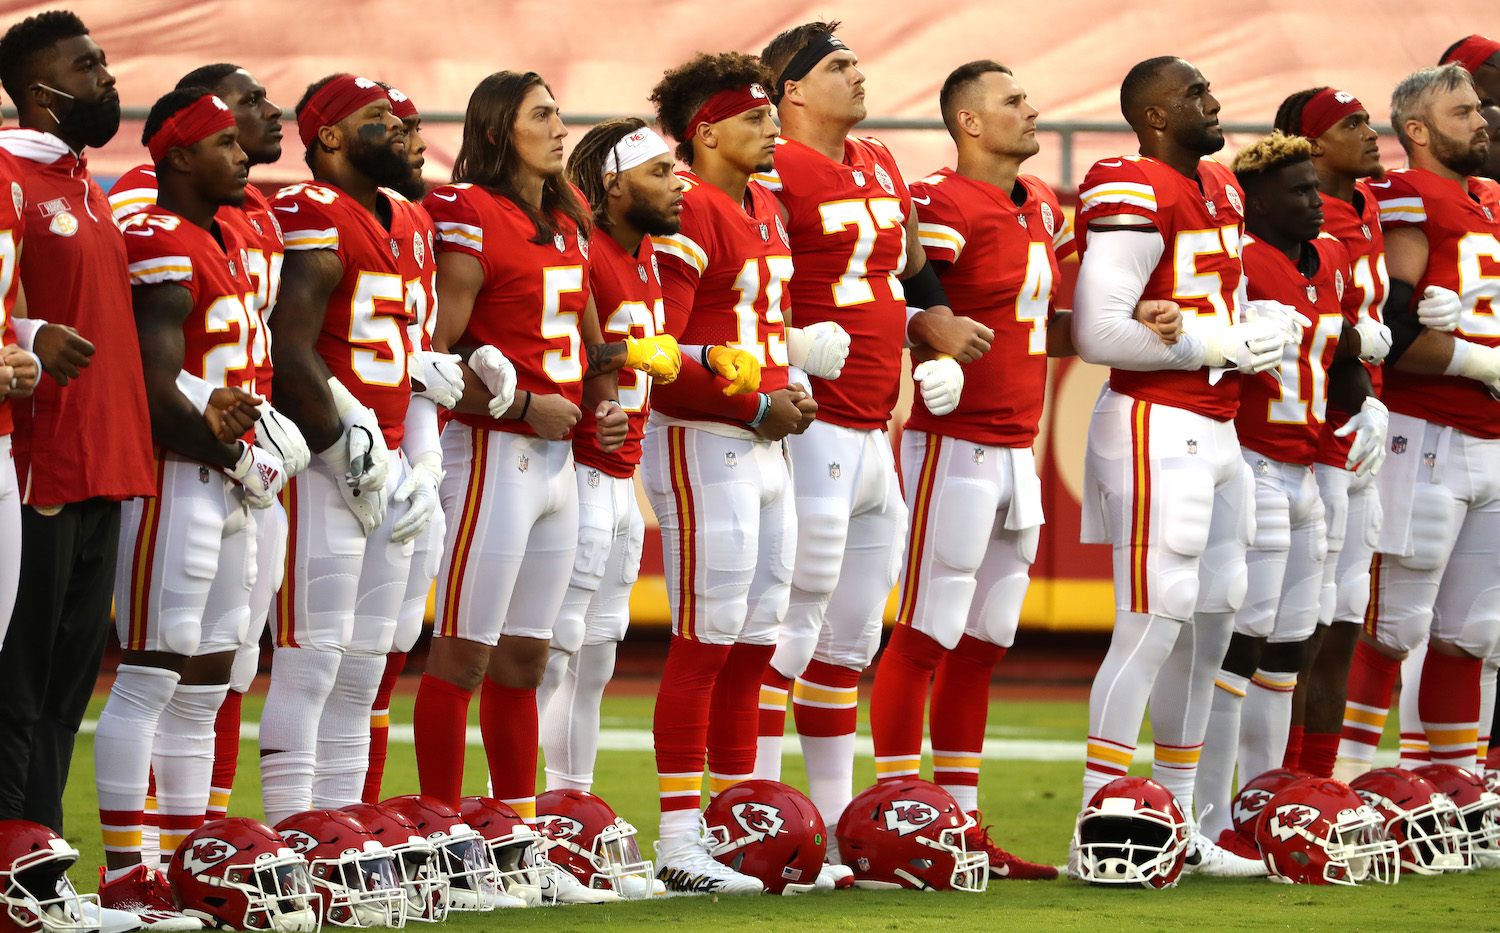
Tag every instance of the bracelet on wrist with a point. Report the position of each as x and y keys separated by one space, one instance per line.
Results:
x=760 y=413
x=526 y=407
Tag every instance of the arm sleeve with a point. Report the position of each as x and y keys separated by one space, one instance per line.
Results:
x=1111 y=280
x=421 y=429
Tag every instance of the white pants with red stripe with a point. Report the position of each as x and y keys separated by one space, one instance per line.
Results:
x=10 y=534
x=967 y=564
x=728 y=531
x=611 y=534
x=512 y=511
x=1285 y=560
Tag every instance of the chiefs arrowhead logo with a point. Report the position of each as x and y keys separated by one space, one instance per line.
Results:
x=556 y=826
x=298 y=841
x=205 y=853
x=1248 y=804
x=758 y=819
x=905 y=817
x=1288 y=818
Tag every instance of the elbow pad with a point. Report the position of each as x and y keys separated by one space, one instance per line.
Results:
x=923 y=290
x=1399 y=317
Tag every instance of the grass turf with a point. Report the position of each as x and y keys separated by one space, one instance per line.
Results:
x=1031 y=804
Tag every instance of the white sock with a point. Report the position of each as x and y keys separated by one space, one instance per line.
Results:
x=122 y=748
x=301 y=679
x=553 y=678
x=1265 y=722
x=1117 y=701
x=1214 y=786
x=1487 y=678
x=343 y=754
x=1182 y=699
x=570 y=731
x=1415 y=751
x=678 y=823
x=285 y=784
x=830 y=773
x=967 y=795
x=184 y=760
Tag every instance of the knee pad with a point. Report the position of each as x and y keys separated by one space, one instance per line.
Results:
x=1432 y=535
x=822 y=529
x=181 y=633
x=1336 y=519
x=959 y=535
x=1000 y=613
x=1186 y=514
x=1352 y=597
x=246 y=666
x=1273 y=521
x=567 y=631
x=945 y=607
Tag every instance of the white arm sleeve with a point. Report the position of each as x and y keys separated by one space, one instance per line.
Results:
x=1113 y=275
x=421 y=429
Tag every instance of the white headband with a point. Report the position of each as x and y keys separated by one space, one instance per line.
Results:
x=638 y=148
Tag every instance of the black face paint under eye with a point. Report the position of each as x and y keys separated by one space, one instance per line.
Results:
x=371 y=132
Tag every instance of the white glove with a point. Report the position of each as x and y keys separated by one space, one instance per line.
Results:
x=1369 y=428
x=276 y=433
x=498 y=375
x=260 y=474
x=439 y=373
x=1251 y=347
x=368 y=460
x=1439 y=308
x=818 y=350
x=368 y=507
x=420 y=488
x=1374 y=339
x=1291 y=320
x=942 y=382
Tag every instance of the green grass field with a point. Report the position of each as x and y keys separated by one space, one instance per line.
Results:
x=1031 y=803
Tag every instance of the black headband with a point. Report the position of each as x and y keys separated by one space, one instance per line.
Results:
x=813 y=52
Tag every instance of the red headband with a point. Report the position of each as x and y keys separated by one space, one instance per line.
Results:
x=401 y=105
x=207 y=116
x=333 y=102
x=1472 y=52
x=726 y=104
x=1326 y=109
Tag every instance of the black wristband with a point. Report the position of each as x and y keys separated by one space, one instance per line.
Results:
x=525 y=408
x=923 y=289
x=1398 y=316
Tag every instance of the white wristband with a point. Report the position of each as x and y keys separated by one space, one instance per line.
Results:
x=343 y=400
x=195 y=390
x=26 y=328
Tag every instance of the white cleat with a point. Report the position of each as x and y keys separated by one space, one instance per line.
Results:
x=560 y=887
x=685 y=867
x=638 y=887
x=1206 y=857
x=1074 y=867
x=833 y=877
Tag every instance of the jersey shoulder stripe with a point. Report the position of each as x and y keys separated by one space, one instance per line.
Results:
x=158 y=269
x=683 y=248
x=327 y=238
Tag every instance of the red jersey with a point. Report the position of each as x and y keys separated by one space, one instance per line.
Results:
x=418 y=236
x=532 y=297
x=847 y=225
x=1462 y=223
x=1357 y=226
x=364 y=340
x=92 y=437
x=723 y=278
x=1001 y=270
x=217 y=335
x=627 y=292
x=1283 y=419
x=1201 y=221
x=12 y=230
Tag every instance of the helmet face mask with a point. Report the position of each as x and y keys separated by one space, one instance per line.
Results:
x=1428 y=829
x=1132 y=832
x=361 y=889
x=1478 y=808
x=1319 y=831
x=280 y=894
x=461 y=859
x=415 y=861
x=34 y=887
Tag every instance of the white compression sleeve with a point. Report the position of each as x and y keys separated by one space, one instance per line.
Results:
x=1113 y=275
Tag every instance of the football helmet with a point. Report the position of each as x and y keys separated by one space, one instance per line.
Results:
x=238 y=874
x=1477 y=805
x=910 y=834
x=1419 y=817
x=768 y=831
x=1251 y=801
x=425 y=888
x=583 y=835
x=1132 y=832
x=463 y=858
x=34 y=885
x=1318 y=831
x=350 y=869
x=514 y=847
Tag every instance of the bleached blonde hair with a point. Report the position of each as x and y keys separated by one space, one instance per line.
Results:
x=1270 y=153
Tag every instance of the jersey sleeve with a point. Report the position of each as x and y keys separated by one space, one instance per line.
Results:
x=307 y=218
x=941 y=223
x=455 y=215
x=1116 y=186
x=1337 y=254
x=156 y=252
x=133 y=192
x=681 y=259
x=1401 y=202
x=1063 y=242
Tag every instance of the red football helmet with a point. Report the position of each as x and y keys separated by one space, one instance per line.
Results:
x=910 y=834
x=34 y=885
x=350 y=869
x=463 y=858
x=515 y=848
x=768 y=831
x=1318 y=831
x=585 y=836
x=1419 y=817
x=1476 y=805
x=1251 y=801
x=1132 y=832
x=425 y=888
x=238 y=874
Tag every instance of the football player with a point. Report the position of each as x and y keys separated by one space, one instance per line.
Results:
x=341 y=341
x=1437 y=489
x=1164 y=480
x=19 y=371
x=187 y=556
x=713 y=469
x=1279 y=424
x=860 y=264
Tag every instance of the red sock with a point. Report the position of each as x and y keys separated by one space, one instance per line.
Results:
x=774 y=689
x=439 y=721
x=508 y=722
x=1372 y=678
x=898 y=702
x=1448 y=702
x=1292 y=758
x=733 y=709
x=680 y=724
x=380 y=725
x=960 y=707
x=825 y=700
x=226 y=755
x=1319 y=750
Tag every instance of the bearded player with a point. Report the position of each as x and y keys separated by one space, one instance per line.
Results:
x=860 y=264
x=1164 y=481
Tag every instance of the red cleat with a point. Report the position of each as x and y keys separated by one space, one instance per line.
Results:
x=1002 y=863
x=1236 y=844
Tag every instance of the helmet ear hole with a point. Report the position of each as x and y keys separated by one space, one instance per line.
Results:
x=920 y=864
x=1301 y=858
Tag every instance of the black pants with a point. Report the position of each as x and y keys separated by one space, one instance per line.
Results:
x=52 y=652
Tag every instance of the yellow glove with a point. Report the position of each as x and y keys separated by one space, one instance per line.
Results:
x=658 y=357
x=740 y=367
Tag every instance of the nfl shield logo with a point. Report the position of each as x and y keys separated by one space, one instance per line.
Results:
x=1365 y=229
x=395 y=249
x=593 y=479
x=859 y=179
x=729 y=459
x=642 y=270
x=765 y=233
x=1398 y=444
x=835 y=471
x=1213 y=209
x=1312 y=293
x=978 y=454
x=1192 y=447
x=558 y=242
x=1262 y=467
x=523 y=463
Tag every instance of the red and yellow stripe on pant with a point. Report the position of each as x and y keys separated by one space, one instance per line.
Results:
x=468 y=522
x=687 y=525
x=920 y=520
x=1140 y=506
x=143 y=562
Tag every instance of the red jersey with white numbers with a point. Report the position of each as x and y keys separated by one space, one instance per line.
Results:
x=627 y=293
x=847 y=226
x=723 y=278
x=1201 y=221
x=1001 y=270
x=364 y=340
x=418 y=236
x=1357 y=226
x=1462 y=224
x=532 y=297
x=1282 y=411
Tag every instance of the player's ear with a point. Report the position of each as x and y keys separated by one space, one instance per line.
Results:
x=1155 y=117
x=1416 y=131
x=968 y=121
x=709 y=137
x=1317 y=147
x=331 y=138
x=179 y=160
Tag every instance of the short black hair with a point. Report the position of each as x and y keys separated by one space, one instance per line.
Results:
x=208 y=76
x=307 y=95
x=29 y=43
x=959 y=81
x=1289 y=114
x=1138 y=84
x=168 y=106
